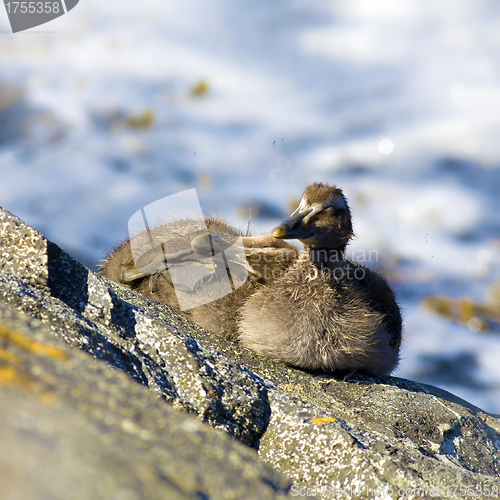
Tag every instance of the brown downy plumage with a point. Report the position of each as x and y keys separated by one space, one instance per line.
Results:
x=326 y=312
x=188 y=244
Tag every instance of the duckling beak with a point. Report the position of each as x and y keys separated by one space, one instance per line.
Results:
x=293 y=228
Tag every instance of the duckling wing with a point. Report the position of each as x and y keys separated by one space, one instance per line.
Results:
x=380 y=297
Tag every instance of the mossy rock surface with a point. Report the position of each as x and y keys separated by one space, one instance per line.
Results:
x=158 y=377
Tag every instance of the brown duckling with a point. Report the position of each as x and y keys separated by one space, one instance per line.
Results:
x=185 y=263
x=326 y=312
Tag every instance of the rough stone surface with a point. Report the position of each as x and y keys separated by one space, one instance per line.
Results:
x=78 y=306
x=318 y=430
x=71 y=427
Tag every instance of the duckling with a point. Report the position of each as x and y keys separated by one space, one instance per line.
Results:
x=190 y=242
x=326 y=312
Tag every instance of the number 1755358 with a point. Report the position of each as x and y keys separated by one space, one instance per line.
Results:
x=33 y=7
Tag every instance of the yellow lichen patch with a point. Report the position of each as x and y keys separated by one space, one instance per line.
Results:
x=12 y=378
x=200 y=89
x=29 y=345
x=7 y=376
x=140 y=121
x=476 y=316
x=324 y=420
x=283 y=389
x=48 y=398
x=8 y=356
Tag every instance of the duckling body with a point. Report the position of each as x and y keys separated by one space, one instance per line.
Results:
x=188 y=245
x=326 y=312
x=319 y=310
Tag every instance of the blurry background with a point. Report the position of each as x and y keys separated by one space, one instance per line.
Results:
x=118 y=104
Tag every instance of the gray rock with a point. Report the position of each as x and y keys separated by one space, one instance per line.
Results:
x=319 y=431
x=71 y=427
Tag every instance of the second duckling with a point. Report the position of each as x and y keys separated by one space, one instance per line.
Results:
x=178 y=245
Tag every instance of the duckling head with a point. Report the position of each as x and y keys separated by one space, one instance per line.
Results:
x=322 y=219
